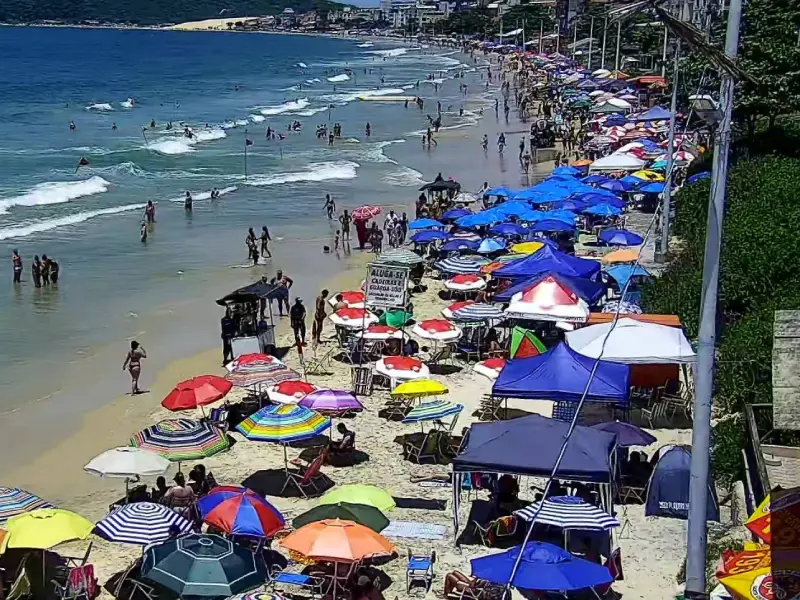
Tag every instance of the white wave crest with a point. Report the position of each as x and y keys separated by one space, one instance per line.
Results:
x=365 y=45
x=183 y=145
x=312 y=111
x=404 y=177
x=315 y=172
x=302 y=65
x=291 y=105
x=346 y=97
x=315 y=80
x=56 y=192
x=101 y=106
x=129 y=103
x=257 y=118
x=21 y=231
x=206 y=195
x=389 y=52
x=339 y=78
x=374 y=152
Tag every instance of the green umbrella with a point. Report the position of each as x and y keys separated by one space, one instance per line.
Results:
x=394 y=318
x=363 y=514
x=360 y=493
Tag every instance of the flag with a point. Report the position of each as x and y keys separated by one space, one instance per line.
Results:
x=81 y=163
x=248 y=142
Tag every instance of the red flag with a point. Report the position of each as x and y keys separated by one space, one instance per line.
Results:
x=81 y=163
x=248 y=142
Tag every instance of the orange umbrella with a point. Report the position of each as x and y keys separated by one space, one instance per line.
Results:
x=335 y=540
x=583 y=162
x=623 y=255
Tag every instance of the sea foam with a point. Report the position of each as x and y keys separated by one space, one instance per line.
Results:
x=101 y=106
x=314 y=172
x=56 y=192
x=292 y=105
x=389 y=52
x=184 y=145
x=25 y=230
x=339 y=78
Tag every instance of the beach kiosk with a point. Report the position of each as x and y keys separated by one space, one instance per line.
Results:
x=251 y=312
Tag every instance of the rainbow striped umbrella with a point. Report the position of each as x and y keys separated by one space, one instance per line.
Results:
x=178 y=440
x=262 y=375
x=14 y=501
x=283 y=424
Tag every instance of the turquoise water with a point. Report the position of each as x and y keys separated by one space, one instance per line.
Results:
x=226 y=87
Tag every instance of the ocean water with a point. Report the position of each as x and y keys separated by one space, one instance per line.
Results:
x=226 y=87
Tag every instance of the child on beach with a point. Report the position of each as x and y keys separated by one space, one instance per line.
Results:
x=336 y=241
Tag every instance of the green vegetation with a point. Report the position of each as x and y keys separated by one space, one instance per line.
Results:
x=148 y=12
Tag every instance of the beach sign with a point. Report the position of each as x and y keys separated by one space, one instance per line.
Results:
x=387 y=286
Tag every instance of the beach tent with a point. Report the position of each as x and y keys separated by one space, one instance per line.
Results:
x=548 y=300
x=656 y=113
x=588 y=290
x=668 y=490
x=548 y=260
x=617 y=162
x=260 y=290
x=633 y=342
x=561 y=374
x=525 y=344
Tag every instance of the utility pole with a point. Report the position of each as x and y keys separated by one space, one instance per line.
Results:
x=603 y=59
x=558 y=36
x=591 y=39
x=575 y=39
x=541 y=35
x=666 y=197
x=664 y=55
x=616 y=58
x=701 y=431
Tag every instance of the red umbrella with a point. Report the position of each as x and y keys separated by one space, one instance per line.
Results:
x=364 y=213
x=253 y=360
x=195 y=392
x=465 y=279
x=436 y=326
x=403 y=363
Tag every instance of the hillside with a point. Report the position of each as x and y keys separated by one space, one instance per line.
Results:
x=147 y=12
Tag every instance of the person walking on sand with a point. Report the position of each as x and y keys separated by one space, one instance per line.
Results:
x=319 y=317
x=345 y=219
x=133 y=363
x=297 y=316
x=285 y=283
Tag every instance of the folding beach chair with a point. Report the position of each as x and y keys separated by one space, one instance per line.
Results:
x=499 y=528
x=397 y=407
x=306 y=478
x=20 y=587
x=318 y=365
x=427 y=448
x=420 y=570
x=490 y=409
x=308 y=583
x=80 y=583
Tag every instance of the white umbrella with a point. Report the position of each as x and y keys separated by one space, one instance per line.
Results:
x=617 y=162
x=402 y=368
x=355 y=318
x=490 y=367
x=548 y=300
x=290 y=391
x=465 y=198
x=633 y=342
x=127 y=462
x=381 y=333
x=437 y=330
x=596 y=93
x=465 y=283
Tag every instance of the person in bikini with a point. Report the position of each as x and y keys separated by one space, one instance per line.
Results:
x=133 y=363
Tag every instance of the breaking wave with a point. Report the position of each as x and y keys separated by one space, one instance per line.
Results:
x=315 y=172
x=56 y=192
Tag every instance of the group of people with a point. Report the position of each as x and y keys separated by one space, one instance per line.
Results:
x=44 y=270
x=252 y=244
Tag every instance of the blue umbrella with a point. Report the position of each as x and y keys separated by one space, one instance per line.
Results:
x=141 y=523
x=553 y=225
x=570 y=205
x=501 y=191
x=624 y=273
x=529 y=195
x=428 y=236
x=627 y=434
x=560 y=215
x=595 y=179
x=460 y=246
x=512 y=209
x=531 y=216
x=481 y=219
x=508 y=229
x=424 y=224
x=543 y=567
x=603 y=210
x=614 y=185
x=570 y=171
x=490 y=245
x=632 y=182
x=699 y=176
x=456 y=213
x=655 y=187
x=481 y=311
x=620 y=237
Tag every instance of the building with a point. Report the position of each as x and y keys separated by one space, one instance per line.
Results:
x=288 y=17
x=414 y=14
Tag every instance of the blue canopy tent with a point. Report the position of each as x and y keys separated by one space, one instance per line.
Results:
x=456 y=245
x=508 y=230
x=656 y=113
x=427 y=236
x=561 y=374
x=668 y=489
x=590 y=291
x=425 y=224
x=455 y=213
x=545 y=260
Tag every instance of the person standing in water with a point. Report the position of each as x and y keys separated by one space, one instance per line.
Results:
x=250 y=242
x=45 y=270
x=150 y=212
x=16 y=262
x=143 y=232
x=36 y=271
x=329 y=206
x=133 y=363
x=187 y=202
x=368 y=130
x=54 y=270
x=265 y=240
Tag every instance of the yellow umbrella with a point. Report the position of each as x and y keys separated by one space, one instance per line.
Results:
x=786 y=509
x=648 y=175
x=623 y=255
x=44 y=528
x=748 y=575
x=526 y=247
x=419 y=388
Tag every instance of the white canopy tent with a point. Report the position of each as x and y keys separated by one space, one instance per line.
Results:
x=617 y=162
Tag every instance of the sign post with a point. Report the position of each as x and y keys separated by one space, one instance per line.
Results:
x=386 y=286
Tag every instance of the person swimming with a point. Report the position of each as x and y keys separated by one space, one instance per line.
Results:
x=114 y=126
x=153 y=124
x=72 y=126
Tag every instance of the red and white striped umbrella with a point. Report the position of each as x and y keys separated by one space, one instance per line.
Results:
x=548 y=300
x=381 y=332
x=490 y=367
x=354 y=318
x=680 y=156
x=449 y=310
x=402 y=367
x=352 y=299
x=291 y=391
x=253 y=361
x=364 y=213
x=437 y=330
x=465 y=283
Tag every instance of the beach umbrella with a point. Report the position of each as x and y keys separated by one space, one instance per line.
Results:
x=699 y=176
x=365 y=213
x=595 y=179
x=240 y=511
x=548 y=300
x=572 y=205
x=632 y=183
x=527 y=247
x=622 y=255
x=437 y=330
x=622 y=274
x=203 y=565
x=351 y=299
x=589 y=290
x=501 y=192
x=512 y=209
x=335 y=540
x=355 y=318
x=464 y=198
x=450 y=310
x=424 y=224
x=490 y=245
x=363 y=514
x=748 y=575
x=459 y=245
x=327 y=401
x=432 y=411
x=627 y=434
x=784 y=507
x=180 y=440
x=508 y=229
x=543 y=567
x=419 y=388
x=568 y=512
x=290 y=391
x=197 y=392
x=553 y=226
x=465 y=283
x=499 y=262
x=603 y=210
x=441 y=185
x=490 y=367
x=481 y=219
x=359 y=493
x=283 y=424
x=462 y=265
x=128 y=463
x=648 y=175
x=141 y=523
x=655 y=187
x=402 y=368
x=620 y=237
x=570 y=171
x=381 y=332
x=45 y=528
x=614 y=185
x=14 y=501
x=398 y=256
x=474 y=313
x=265 y=375
x=255 y=361
x=455 y=213
x=428 y=236
x=561 y=215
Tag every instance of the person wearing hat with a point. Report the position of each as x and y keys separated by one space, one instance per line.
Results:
x=297 y=316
